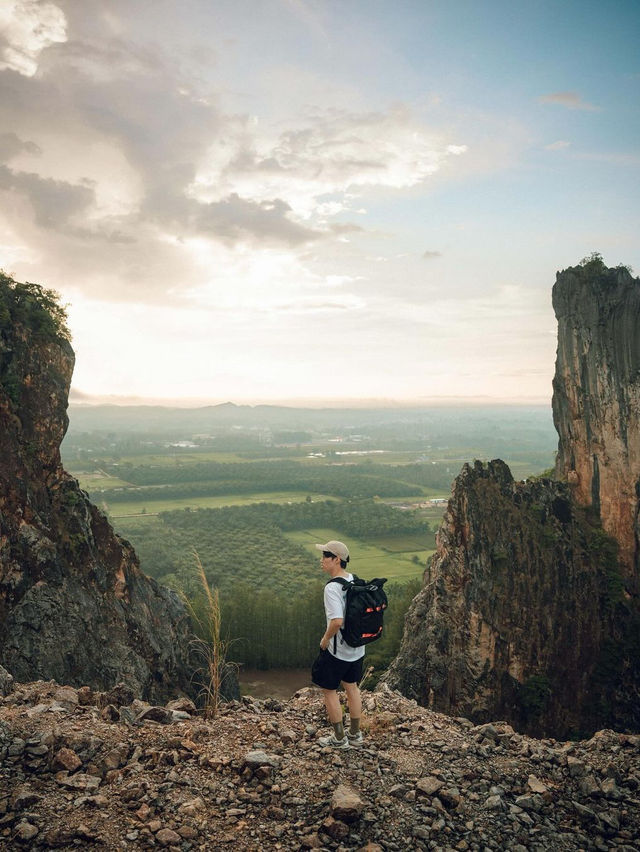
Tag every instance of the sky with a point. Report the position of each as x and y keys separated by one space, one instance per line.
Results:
x=316 y=200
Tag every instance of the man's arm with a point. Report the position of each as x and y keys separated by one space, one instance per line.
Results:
x=332 y=628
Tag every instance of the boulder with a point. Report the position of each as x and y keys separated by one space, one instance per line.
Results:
x=346 y=804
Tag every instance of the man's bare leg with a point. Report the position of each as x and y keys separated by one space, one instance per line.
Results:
x=334 y=711
x=354 y=700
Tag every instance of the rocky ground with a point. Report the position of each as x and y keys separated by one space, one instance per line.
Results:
x=81 y=769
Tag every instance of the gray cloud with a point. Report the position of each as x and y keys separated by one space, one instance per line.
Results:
x=570 y=100
x=54 y=202
x=11 y=145
x=114 y=93
x=341 y=228
x=236 y=218
x=104 y=235
x=431 y=255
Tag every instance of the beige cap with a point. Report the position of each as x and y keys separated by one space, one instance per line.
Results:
x=337 y=548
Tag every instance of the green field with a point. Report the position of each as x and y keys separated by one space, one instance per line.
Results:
x=78 y=468
x=98 y=479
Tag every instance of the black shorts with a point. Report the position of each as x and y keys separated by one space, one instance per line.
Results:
x=328 y=671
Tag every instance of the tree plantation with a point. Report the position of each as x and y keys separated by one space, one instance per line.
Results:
x=270 y=585
x=187 y=480
x=270 y=629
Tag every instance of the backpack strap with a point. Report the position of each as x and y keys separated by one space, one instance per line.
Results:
x=345 y=585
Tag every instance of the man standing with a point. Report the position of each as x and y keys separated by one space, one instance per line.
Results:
x=338 y=662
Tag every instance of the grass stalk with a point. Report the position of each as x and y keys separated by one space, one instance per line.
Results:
x=209 y=645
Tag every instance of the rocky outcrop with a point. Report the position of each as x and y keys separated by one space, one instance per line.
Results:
x=596 y=398
x=529 y=609
x=74 y=605
x=518 y=615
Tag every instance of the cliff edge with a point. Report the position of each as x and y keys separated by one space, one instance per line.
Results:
x=529 y=609
x=79 y=770
x=74 y=604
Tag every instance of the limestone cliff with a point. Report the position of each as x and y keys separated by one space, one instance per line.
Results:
x=74 y=605
x=529 y=609
x=596 y=397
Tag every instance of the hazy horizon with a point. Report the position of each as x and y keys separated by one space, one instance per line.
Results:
x=81 y=399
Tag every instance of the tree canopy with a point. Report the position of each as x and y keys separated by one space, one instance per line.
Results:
x=33 y=306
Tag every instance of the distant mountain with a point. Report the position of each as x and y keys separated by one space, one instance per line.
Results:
x=490 y=426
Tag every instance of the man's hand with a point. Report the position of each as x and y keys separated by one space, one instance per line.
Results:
x=332 y=628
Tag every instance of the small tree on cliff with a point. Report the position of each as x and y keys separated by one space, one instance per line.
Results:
x=33 y=306
x=593 y=261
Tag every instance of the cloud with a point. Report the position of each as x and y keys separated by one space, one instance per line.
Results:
x=54 y=203
x=123 y=119
x=318 y=305
x=27 y=27
x=337 y=153
x=11 y=145
x=570 y=100
x=234 y=219
x=431 y=255
x=557 y=146
x=124 y=172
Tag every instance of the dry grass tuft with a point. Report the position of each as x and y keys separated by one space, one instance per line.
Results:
x=210 y=646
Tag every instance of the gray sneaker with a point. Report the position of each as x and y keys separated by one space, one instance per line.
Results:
x=334 y=742
x=355 y=739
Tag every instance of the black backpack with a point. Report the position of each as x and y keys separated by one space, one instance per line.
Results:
x=366 y=603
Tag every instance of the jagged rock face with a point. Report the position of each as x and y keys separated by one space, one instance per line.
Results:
x=518 y=615
x=596 y=398
x=74 y=605
x=530 y=608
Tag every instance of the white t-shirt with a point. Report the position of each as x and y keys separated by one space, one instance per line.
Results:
x=335 y=604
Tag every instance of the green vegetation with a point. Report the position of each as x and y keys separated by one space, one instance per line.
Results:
x=272 y=544
x=534 y=696
x=38 y=313
x=593 y=262
x=268 y=630
x=212 y=478
x=123 y=510
x=604 y=548
x=34 y=307
x=252 y=489
x=274 y=630
x=262 y=560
